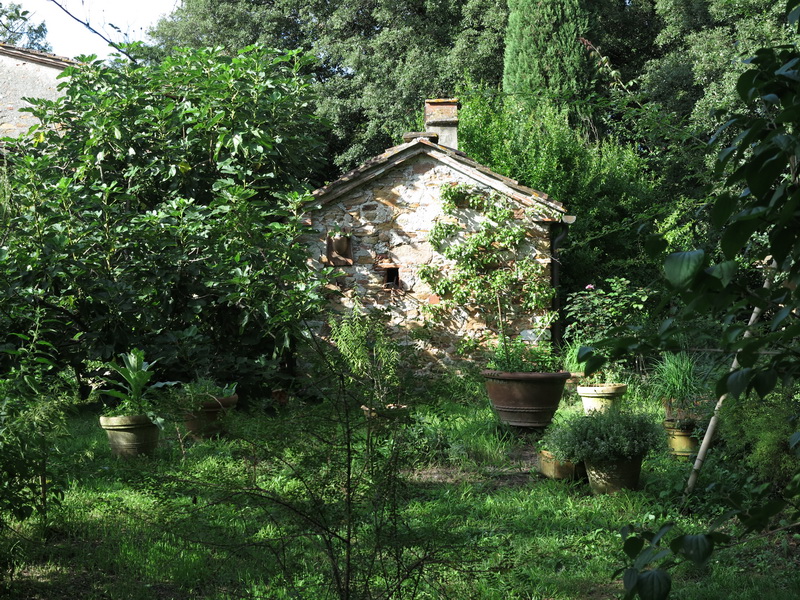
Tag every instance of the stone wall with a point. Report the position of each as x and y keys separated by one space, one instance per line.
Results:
x=20 y=78
x=388 y=221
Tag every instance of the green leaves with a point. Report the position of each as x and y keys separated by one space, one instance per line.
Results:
x=153 y=213
x=681 y=268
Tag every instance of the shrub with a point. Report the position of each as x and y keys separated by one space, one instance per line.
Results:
x=757 y=432
x=604 y=437
x=158 y=207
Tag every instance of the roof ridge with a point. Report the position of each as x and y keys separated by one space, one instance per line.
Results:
x=390 y=157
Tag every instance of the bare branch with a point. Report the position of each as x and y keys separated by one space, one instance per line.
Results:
x=94 y=31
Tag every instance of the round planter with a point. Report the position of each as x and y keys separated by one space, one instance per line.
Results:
x=205 y=423
x=130 y=436
x=682 y=443
x=611 y=477
x=551 y=467
x=600 y=397
x=525 y=399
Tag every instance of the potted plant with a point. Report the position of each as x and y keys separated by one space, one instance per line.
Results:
x=549 y=465
x=524 y=382
x=129 y=426
x=201 y=404
x=611 y=443
x=601 y=390
x=676 y=383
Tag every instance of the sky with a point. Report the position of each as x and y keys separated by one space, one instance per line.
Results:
x=69 y=38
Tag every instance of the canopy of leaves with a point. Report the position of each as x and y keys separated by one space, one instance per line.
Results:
x=750 y=267
x=605 y=184
x=376 y=61
x=156 y=208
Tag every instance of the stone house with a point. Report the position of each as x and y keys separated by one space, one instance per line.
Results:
x=26 y=74
x=373 y=225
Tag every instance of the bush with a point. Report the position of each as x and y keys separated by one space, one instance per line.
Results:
x=757 y=433
x=158 y=207
x=604 y=437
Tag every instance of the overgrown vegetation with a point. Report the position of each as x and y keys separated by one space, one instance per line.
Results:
x=324 y=500
x=157 y=207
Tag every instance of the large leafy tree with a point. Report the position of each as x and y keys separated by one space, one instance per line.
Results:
x=17 y=29
x=605 y=183
x=156 y=207
x=376 y=60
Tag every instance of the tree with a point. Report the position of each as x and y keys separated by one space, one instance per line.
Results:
x=544 y=57
x=16 y=29
x=376 y=60
x=157 y=207
x=745 y=274
x=606 y=184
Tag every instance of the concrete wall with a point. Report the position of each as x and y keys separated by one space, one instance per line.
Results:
x=389 y=220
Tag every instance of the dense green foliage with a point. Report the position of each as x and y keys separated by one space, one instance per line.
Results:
x=596 y=311
x=544 y=57
x=157 y=207
x=759 y=433
x=17 y=29
x=604 y=436
x=377 y=61
x=755 y=219
x=496 y=271
x=268 y=511
x=605 y=184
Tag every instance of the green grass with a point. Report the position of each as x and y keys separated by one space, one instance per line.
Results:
x=257 y=515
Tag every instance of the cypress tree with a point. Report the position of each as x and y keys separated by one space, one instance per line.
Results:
x=544 y=55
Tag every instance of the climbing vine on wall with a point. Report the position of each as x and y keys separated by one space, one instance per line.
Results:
x=495 y=270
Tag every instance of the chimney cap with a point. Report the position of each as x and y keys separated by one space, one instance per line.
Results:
x=441 y=101
x=428 y=135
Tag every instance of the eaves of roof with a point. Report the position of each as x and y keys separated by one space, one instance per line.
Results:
x=42 y=58
x=396 y=156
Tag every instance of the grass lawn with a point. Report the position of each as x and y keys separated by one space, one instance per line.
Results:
x=445 y=505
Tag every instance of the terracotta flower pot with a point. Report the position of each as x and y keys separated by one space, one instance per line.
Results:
x=600 y=397
x=551 y=467
x=205 y=422
x=611 y=477
x=132 y=435
x=525 y=399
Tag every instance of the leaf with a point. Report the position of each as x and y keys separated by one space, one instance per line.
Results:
x=630 y=578
x=722 y=209
x=654 y=585
x=764 y=382
x=736 y=236
x=666 y=528
x=724 y=271
x=655 y=244
x=697 y=548
x=738 y=381
x=682 y=267
x=633 y=546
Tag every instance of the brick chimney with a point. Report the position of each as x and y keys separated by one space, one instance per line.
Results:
x=441 y=117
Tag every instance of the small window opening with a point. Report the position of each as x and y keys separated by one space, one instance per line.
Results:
x=392 y=278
